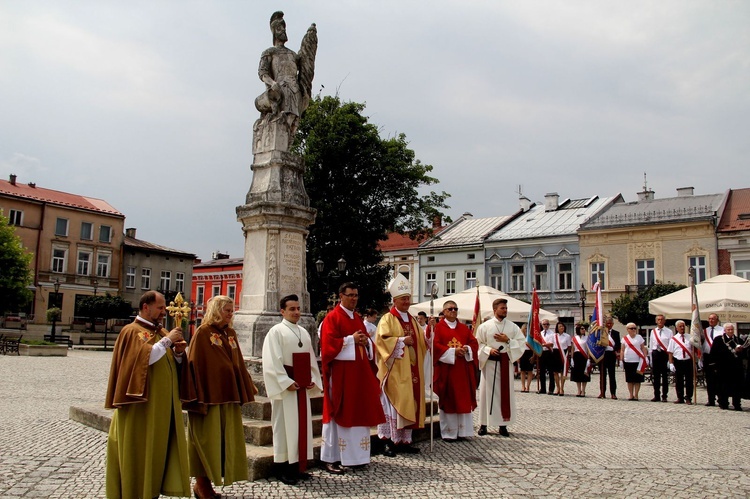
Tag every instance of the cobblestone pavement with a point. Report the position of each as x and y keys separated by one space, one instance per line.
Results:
x=561 y=446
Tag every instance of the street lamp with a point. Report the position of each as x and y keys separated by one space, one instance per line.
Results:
x=95 y=283
x=582 y=295
x=340 y=271
x=54 y=317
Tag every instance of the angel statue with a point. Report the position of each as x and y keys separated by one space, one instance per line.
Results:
x=288 y=77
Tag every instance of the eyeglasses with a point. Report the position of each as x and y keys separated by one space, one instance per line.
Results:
x=452 y=309
x=632 y=328
x=352 y=295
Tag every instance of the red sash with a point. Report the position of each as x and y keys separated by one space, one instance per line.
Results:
x=562 y=355
x=710 y=340
x=302 y=376
x=643 y=362
x=578 y=346
x=682 y=345
x=658 y=340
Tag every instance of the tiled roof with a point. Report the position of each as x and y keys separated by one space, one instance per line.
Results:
x=465 y=230
x=41 y=194
x=564 y=220
x=132 y=242
x=657 y=211
x=737 y=212
x=395 y=241
x=219 y=263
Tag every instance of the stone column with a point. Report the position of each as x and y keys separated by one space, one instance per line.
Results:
x=275 y=218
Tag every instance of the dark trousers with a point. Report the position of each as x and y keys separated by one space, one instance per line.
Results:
x=683 y=379
x=660 y=372
x=607 y=368
x=712 y=380
x=543 y=368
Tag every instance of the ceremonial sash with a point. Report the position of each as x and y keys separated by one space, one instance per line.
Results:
x=682 y=345
x=643 y=362
x=578 y=346
x=658 y=340
x=709 y=340
x=562 y=355
x=302 y=376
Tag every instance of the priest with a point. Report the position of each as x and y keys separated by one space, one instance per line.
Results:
x=401 y=347
x=455 y=383
x=291 y=376
x=351 y=393
x=146 y=447
x=500 y=344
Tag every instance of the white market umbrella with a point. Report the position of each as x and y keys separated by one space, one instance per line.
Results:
x=727 y=296
x=518 y=311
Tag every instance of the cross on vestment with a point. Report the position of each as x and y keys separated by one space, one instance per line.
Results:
x=364 y=444
x=454 y=343
x=342 y=444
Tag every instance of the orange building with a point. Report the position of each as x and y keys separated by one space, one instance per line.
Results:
x=219 y=276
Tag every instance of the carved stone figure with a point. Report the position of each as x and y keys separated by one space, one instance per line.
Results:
x=288 y=77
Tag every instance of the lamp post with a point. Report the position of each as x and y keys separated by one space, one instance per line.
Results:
x=95 y=283
x=340 y=271
x=582 y=295
x=54 y=317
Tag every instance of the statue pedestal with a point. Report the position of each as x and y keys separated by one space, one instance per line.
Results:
x=275 y=218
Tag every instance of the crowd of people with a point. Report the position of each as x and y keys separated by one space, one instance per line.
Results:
x=373 y=373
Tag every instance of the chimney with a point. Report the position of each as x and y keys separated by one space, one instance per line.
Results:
x=525 y=203
x=12 y=179
x=684 y=191
x=218 y=255
x=550 y=201
x=32 y=185
x=130 y=232
x=646 y=195
x=437 y=222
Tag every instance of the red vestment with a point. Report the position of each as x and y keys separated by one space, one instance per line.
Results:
x=455 y=384
x=351 y=391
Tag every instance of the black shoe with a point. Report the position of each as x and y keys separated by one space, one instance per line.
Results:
x=724 y=407
x=664 y=399
x=450 y=440
x=389 y=451
x=504 y=431
x=541 y=392
x=334 y=468
x=303 y=475
x=655 y=399
x=482 y=431
x=287 y=479
x=710 y=404
x=408 y=449
x=737 y=408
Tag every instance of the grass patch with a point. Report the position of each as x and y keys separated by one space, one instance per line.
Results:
x=37 y=342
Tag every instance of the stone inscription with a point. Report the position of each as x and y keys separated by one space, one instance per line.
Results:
x=292 y=253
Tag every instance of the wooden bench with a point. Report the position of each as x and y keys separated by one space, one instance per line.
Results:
x=10 y=344
x=60 y=339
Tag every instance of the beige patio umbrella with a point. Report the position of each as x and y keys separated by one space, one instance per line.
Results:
x=727 y=296
x=518 y=311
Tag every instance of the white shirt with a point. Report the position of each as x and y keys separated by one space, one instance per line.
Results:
x=548 y=335
x=665 y=334
x=712 y=332
x=637 y=341
x=564 y=340
x=676 y=350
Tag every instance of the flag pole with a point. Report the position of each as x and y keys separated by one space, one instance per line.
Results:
x=433 y=295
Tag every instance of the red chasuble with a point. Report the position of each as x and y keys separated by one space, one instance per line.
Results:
x=456 y=384
x=351 y=391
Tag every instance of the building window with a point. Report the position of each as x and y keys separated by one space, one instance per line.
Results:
x=87 y=231
x=450 y=283
x=231 y=290
x=645 y=271
x=430 y=258
x=179 y=282
x=496 y=278
x=165 y=281
x=200 y=292
x=597 y=272
x=105 y=234
x=58 y=260
x=15 y=217
x=130 y=277
x=145 y=278
x=541 y=276
x=742 y=268
x=470 y=256
x=430 y=278
x=565 y=276
x=471 y=279
x=516 y=278
x=61 y=227
x=215 y=290
x=102 y=265
x=699 y=264
x=84 y=263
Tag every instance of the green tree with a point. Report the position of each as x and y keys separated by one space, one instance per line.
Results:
x=105 y=307
x=362 y=186
x=634 y=308
x=15 y=276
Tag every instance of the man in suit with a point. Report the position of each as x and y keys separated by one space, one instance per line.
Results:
x=609 y=362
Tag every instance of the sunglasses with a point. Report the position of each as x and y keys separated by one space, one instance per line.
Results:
x=452 y=309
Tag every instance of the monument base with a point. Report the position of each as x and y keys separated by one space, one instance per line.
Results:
x=252 y=328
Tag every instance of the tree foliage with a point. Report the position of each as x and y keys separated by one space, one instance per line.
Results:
x=362 y=186
x=105 y=307
x=15 y=276
x=634 y=308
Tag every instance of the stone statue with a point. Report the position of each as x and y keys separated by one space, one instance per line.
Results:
x=288 y=77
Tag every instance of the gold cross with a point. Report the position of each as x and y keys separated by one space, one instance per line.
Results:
x=364 y=444
x=342 y=444
x=179 y=309
x=454 y=343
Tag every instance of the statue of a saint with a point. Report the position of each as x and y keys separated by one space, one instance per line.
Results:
x=288 y=77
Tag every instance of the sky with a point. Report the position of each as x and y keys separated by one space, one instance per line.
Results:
x=149 y=104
